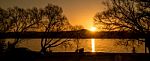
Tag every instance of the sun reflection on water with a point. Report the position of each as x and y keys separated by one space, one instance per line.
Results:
x=93 y=45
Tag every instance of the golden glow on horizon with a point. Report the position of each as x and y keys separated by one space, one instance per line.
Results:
x=93 y=29
x=93 y=45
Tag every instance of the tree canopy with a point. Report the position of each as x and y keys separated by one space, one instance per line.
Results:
x=126 y=15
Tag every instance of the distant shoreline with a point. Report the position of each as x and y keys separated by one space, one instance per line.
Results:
x=73 y=35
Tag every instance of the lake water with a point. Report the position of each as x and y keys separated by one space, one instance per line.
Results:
x=89 y=45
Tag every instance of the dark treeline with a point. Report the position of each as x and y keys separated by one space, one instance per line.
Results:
x=84 y=34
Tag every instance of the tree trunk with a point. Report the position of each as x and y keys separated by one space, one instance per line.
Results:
x=43 y=51
x=148 y=49
x=147 y=42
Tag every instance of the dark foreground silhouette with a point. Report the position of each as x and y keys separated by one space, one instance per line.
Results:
x=24 y=54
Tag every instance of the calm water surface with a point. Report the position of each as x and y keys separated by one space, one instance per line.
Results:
x=89 y=45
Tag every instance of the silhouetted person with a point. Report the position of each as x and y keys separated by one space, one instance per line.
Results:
x=133 y=50
x=77 y=50
x=81 y=50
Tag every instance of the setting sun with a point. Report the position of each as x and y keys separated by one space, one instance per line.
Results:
x=93 y=29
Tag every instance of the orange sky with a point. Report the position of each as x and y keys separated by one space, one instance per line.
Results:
x=78 y=12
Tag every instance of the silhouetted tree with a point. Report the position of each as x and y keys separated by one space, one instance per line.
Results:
x=127 y=15
x=18 y=20
x=22 y=20
x=54 y=21
x=48 y=19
